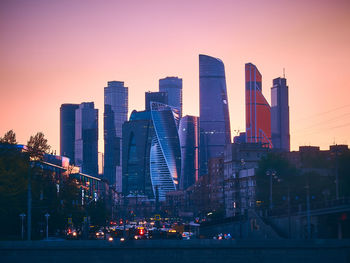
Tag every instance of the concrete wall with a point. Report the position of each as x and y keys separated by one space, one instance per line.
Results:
x=176 y=251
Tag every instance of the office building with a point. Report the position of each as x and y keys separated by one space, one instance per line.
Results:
x=189 y=142
x=115 y=114
x=165 y=153
x=67 y=130
x=86 y=138
x=214 y=121
x=137 y=138
x=161 y=97
x=172 y=86
x=258 y=114
x=280 y=115
x=238 y=158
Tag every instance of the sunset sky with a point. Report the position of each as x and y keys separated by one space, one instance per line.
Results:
x=54 y=52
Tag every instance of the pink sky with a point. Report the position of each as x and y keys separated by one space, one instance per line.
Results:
x=54 y=52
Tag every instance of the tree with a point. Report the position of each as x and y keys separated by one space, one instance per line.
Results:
x=9 y=138
x=37 y=146
x=286 y=178
x=13 y=190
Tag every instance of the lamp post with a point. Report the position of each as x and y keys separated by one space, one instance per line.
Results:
x=23 y=215
x=271 y=173
x=47 y=225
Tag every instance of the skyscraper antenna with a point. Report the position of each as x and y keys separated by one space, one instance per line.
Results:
x=284 y=73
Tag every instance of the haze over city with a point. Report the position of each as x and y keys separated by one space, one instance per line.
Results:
x=55 y=52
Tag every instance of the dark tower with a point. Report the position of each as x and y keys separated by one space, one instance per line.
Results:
x=214 y=121
x=67 y=130
x=280 y=115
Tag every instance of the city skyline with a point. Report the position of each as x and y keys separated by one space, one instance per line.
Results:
x=53 y=59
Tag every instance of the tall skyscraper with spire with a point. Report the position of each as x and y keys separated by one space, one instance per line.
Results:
x=214 y=120
x=280 y=115
x=258 y=112
x=115 y=114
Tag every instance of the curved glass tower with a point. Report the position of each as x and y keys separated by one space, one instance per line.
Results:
x=258 y=111
x=165 y=154
x=214 y=122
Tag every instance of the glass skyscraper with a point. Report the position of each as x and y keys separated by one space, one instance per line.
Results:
x=115 y=114
x=165 y=153
x=258 y=114
x=189 y=142
x=161 y=97
x=137 y=138
x=67 y=130
x=86 y=138
x=173 y=86
x=280 y=115
x=214 y=122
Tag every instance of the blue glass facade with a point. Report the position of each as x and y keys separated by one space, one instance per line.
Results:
x=173 y=86
x=214 y=123
x=115 y=114
x=165 y=152
x=161 y=97
x=280 y=115
x=189 y=142
x=137 y=137
x=86 y=138
x=67 y=130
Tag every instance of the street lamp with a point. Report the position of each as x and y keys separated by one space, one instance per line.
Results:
x=47 y=225
x=272 y=174
x=23 y=215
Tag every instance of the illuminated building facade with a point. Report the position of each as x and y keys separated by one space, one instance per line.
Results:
x=258 y=112
x=165 y=152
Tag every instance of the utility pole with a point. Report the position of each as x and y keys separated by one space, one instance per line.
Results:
x=336 y=175
x=308 y=211
x=289 y=216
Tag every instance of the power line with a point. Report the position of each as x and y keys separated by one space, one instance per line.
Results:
x=323 y=113
x=322 y=122
x=328 y=129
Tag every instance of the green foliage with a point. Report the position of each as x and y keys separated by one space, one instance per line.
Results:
x=286 y=176
x=13 y=186
x=60 y=196
x=37 y=146
x=344 y=174
x=9 y=138
x=316 y=175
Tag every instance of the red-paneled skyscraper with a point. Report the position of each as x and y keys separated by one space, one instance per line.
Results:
x=258 y=111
